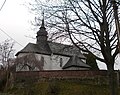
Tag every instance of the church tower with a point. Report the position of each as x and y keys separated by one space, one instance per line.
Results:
x=42 y=39
x=42 y=34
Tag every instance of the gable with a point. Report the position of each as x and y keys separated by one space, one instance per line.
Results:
x=75 y=61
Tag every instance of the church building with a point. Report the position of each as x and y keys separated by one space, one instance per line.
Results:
x=47 y=55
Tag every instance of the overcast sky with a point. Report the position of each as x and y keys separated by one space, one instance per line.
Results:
x=15 y=21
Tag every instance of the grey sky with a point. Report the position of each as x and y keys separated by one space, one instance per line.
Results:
x=15 y=21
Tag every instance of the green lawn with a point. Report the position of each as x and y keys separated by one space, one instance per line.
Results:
x=60 y=87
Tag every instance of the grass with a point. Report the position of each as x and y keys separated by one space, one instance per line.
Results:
x=60 y=87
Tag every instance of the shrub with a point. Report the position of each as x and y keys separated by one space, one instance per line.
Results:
x=53 y=88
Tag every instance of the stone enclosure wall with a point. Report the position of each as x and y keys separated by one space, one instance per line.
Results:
x=59 y=74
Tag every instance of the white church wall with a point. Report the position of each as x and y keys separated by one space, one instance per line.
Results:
x=55 y=59
x=47 y=65
x=51 y=62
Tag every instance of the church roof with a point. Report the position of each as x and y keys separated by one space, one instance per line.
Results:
x=34 y=48
x=55 y=48
x=75 y=61
x=63 y=49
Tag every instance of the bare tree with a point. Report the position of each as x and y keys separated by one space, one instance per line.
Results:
x=6 y=57
x=89 y=24
x=2 y=5
x=115 y=4
x=29 y=62
x=6 y=53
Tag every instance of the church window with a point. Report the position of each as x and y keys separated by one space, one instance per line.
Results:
x=61 y=62
x=42 y=61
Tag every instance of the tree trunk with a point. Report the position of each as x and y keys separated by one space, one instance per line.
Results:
x=112 y=80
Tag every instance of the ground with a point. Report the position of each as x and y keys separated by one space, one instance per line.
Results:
x=88 y=86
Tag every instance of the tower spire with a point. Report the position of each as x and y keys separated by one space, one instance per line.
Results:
x=42 y=25
x=42 y=34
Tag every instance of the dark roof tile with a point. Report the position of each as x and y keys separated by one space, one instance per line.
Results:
x=52 y=47
x=63 y=49
x=75 y=61
x=35 y=48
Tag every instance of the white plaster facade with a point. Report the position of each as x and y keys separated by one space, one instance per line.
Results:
x=50 y=62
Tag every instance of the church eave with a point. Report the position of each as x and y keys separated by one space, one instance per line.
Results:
x=75 y=66
x=33 y=52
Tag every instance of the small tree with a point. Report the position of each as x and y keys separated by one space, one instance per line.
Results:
x=6 y=53
x=29 y=62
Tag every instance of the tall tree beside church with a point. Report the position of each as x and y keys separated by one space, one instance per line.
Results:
x=115 y=4
x=89 y=24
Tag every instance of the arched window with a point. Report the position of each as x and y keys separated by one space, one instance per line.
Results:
x=61 y=62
